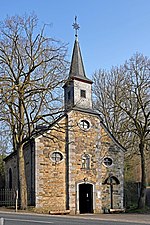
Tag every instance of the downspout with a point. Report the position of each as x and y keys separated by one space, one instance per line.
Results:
x=67 y=162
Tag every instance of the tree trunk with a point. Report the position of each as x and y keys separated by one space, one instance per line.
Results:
x=142 y=198
x=22 y=179
x=21 y=161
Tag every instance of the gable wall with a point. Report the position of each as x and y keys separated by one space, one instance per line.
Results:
x=96 y=143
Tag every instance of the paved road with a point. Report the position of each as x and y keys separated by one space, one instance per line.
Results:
x=33 y=219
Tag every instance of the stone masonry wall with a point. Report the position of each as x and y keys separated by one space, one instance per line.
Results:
x=50 y=184
x=11 y=163
x=95 y=142
x=56 y=185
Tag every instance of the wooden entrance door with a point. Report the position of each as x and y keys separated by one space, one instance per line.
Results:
x=86 y=198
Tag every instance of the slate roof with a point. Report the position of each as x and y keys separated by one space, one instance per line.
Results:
x=77 y=68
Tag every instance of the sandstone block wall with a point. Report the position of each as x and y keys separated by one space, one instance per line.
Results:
x=50 y=185
x=56 y=185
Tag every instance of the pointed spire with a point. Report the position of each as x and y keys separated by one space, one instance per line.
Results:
x=77 y=67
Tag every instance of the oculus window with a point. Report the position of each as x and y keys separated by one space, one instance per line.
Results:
x=84 y=124
x=56 y=157
x=108 y=161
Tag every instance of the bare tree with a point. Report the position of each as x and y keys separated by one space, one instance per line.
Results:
x=5 y=139
x=32 y=70
x=123 y=98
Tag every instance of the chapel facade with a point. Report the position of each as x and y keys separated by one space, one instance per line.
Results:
x=76 y=165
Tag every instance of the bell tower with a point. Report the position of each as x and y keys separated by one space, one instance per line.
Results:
x=78 y=88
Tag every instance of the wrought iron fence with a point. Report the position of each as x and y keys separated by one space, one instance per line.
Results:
x=8 y=197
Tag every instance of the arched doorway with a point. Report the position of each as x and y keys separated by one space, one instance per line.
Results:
x=86 y=198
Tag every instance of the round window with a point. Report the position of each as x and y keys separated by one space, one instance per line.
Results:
x=56 y=157
x=108 y=161
x=84 y=124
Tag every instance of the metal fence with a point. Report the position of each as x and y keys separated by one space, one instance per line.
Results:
x=8 y=197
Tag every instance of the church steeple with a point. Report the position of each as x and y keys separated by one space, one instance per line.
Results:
x=78 y=87
x=77 y=67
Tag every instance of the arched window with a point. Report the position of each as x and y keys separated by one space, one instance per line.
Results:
x=10 y=178
x=86 y=161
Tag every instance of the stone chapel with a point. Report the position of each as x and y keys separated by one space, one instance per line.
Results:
x=80 y=169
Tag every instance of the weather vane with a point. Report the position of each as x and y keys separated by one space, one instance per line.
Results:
x=76 y=26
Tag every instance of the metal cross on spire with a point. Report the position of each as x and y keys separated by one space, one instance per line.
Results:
x=76 y=26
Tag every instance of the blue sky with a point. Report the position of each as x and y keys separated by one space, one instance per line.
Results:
x=111 y=31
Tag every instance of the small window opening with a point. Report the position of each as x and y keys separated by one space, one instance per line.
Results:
x=83 y=93
x=69 y=95
x=10 y=178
